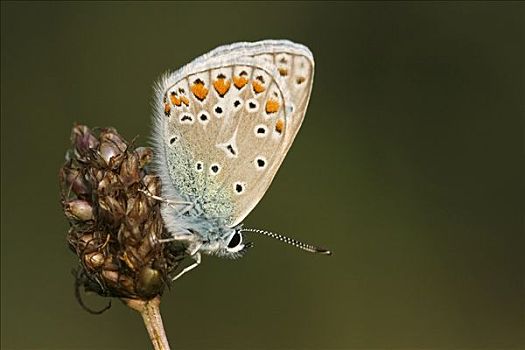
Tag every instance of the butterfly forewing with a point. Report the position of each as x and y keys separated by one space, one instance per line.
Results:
x=228 y=120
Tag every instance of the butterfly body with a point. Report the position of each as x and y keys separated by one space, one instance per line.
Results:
x=222 y=127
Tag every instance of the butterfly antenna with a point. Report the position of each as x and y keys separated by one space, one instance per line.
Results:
x=291 y=241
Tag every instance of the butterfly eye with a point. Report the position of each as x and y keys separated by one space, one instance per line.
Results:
x=235 y=240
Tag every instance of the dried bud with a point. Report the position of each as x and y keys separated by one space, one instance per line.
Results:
x=112 y=147
x=149 y=281
x=111 y=210
x=109 y=183
x=79 y=210
x=83 y=140
x=145 y=155
x=75 y=181
x=94 y=260
x=152 y=184
x=111 y=135
x=129 y=171
x=138 y=208
x=108 y=150
x=86 y=241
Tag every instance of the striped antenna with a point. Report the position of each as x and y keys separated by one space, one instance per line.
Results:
x=291 y=241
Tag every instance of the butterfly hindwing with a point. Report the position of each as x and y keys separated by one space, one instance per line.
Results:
x=225 y=122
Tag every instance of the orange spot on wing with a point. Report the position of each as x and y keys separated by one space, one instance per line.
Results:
x=257 y=86
x=185 y=100
x=239 y=81
x=272 y=106
x=279 y=125
x=222 y=86
x=167 y=108
x=199 y=90
x=175 y=100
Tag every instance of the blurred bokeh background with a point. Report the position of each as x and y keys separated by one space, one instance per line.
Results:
x=409 y=166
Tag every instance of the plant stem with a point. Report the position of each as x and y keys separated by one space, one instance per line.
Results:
x=150 y=312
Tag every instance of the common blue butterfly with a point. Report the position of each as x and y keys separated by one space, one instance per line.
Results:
x=222 y=127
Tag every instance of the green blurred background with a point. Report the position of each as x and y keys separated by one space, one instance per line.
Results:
x=409 y=166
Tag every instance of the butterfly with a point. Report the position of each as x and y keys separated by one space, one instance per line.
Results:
x=222 y=126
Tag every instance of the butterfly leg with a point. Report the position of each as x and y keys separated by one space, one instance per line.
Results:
x=197 y=261
x=163 y=200
x=176 y=237
x=189 y=206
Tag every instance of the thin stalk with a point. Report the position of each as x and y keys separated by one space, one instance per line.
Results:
x=150 y=312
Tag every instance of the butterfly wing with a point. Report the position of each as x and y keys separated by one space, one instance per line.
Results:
x=293 y=62
x=225 y=122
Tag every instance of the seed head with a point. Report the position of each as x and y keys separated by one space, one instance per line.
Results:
x=115 y=227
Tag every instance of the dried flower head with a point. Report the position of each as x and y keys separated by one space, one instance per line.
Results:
x=115 y=224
